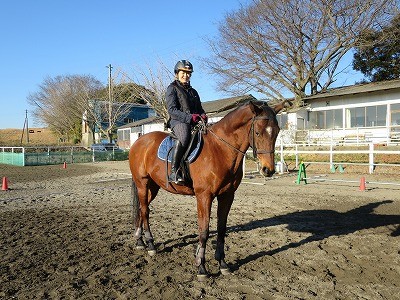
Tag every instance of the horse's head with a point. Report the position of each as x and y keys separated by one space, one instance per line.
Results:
x=263 y=134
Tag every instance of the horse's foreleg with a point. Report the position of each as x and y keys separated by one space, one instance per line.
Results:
x=203 y=219
x=224 y=206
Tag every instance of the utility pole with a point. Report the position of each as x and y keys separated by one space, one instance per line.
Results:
x=25 y=127
x=109 y=100
x=109 y=81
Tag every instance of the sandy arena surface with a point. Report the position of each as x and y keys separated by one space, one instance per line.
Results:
x=67 y=234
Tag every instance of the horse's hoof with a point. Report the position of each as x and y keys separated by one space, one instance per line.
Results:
x=151 y=249
x=140 y=244
x=202 y=273
x=202 y=277
x=226 y=271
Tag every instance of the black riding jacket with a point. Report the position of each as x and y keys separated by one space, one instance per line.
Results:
x=182 y=102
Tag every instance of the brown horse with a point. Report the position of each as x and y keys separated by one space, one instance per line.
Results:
x=216 y=172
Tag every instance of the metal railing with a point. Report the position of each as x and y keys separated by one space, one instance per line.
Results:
x=34 y=156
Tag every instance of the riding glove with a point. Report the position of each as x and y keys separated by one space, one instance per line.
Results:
x=195 y=118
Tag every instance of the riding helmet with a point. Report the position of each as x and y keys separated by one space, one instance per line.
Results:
x=183 y=65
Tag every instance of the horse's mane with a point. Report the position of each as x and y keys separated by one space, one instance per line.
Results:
x=232 y=114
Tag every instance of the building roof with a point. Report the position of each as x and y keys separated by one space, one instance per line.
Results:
x=221 y=105
x=357 y=89
x=149 y=120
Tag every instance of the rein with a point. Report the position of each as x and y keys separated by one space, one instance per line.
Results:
x=222 y=140
x=252 y=145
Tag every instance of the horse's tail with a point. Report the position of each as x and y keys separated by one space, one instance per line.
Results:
x=135 y=205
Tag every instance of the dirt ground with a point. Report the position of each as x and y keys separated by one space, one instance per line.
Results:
x=67 y=234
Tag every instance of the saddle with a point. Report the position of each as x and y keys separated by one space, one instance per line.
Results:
x=165 y=152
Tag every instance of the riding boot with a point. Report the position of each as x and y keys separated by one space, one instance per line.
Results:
x=177 y=155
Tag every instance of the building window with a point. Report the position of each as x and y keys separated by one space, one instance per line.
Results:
x=369 y=116
x=282 y=121
x=120 y=135
x=128 y=120
x=338 y=118
x=326 y=119
x=395 y=114
x=320 y=119
x=358 y=117
x=381 y=112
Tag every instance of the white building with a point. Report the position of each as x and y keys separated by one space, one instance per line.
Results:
x=359 y=113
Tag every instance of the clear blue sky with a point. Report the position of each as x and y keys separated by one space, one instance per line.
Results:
x=62 y=37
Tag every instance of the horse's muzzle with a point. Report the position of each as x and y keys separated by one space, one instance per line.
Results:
x=266 y=172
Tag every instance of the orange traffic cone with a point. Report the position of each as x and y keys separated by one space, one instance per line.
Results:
x=65 y=165
x=5 y=184
x=362 y=184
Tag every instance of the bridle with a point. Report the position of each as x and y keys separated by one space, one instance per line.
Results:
x=252 y=144
x=251 y=139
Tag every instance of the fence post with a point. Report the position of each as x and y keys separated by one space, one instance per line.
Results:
x=331 y=156
x=371 y=158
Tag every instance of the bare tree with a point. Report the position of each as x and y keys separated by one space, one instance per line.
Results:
x=56 y=103
x=156 y=80
x=63 y=101
x=104 y=112
x=292 y=47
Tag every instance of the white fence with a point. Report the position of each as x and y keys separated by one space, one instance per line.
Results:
x=343 y=136
x=332 y=150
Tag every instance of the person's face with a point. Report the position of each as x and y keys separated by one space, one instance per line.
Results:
x=184 y=76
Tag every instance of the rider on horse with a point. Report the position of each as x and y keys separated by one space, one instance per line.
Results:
x=185 y=110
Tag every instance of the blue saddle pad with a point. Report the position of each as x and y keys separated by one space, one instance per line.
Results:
x=169 y=142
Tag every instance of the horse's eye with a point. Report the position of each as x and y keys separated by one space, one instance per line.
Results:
x=257 y=133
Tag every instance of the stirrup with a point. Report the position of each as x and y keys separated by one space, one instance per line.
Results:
x=176 y=178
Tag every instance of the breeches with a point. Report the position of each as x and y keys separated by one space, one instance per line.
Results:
x=182 y=131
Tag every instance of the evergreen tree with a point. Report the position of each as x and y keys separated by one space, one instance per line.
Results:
x=377 y=55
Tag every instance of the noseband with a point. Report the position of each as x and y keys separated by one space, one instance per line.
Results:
x=252 y=135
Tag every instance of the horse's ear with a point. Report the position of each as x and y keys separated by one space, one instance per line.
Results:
x=256 y=107
x=284 y=104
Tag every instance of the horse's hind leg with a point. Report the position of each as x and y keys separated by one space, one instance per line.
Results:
x=136 y=216
x=224 y=206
